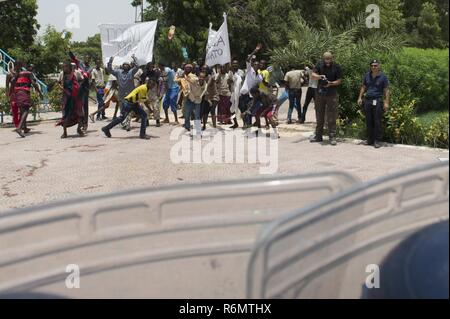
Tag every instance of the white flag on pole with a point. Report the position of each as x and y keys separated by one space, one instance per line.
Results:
x=122 y=41
x=212 y=33
x=218 y=47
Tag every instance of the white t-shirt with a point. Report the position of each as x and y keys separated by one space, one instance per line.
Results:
x=252 y=79
x=312 y=83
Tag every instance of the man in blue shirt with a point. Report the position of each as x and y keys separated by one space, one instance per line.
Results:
x=171 y=90
x=375 y=89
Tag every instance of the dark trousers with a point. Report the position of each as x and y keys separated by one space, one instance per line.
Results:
x=310 y=95
x=85 y=101
x=374 y=115
x=100 y=101
x=295 y=101
x=245 y=102
x=126 y=110
x=326 y=105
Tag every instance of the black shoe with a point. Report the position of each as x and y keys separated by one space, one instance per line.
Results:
x=80 y=133
x=235 y=126
x=104 y=117
x=19 y=131
x=369 y=143
x=107 y=132
x=144 y=137
x=377 y=144
x=158 y=124
x=333 y=141
x=316 y=139
x=289 y=121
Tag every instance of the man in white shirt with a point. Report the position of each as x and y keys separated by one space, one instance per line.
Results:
x=252 y=79
x=238 y=78
x=310 y=94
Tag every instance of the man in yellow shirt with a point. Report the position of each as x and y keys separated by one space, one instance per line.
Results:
x=131 y=104
x=264 y=86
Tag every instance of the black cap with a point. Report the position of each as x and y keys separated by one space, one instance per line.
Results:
x=374 y=61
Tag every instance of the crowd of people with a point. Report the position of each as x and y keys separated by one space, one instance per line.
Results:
x=225 y=94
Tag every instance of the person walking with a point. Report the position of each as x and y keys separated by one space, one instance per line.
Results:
x=310 y=93
x=293 y=82
x=98 y=81
x=72 y=106
x=21 y=84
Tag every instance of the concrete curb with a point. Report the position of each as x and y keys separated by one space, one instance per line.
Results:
x=385 y=144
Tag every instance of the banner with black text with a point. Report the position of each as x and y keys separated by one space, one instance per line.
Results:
x=122 y=41
x=218 y=47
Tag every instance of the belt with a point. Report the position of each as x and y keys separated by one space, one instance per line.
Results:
x=22 y=88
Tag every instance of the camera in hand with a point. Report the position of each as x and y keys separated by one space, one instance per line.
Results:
x=322 y=83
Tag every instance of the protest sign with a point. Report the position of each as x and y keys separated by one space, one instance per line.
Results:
x=122 y=41
x=218 y=47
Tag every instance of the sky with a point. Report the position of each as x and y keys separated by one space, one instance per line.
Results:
x=91 y=13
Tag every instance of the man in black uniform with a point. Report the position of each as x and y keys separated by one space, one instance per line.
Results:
x=375 y=86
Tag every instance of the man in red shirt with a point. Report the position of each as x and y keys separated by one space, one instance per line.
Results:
x=21 y=84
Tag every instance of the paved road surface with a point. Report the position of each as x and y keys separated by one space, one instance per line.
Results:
x=42 y=167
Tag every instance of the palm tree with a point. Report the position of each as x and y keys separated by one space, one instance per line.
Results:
x=353 y=46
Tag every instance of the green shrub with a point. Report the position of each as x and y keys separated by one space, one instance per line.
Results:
x=4 y=102
x=35 y=103
x=402 y=126
x=437 y=133
x=353 y=129
x=55 y=98
x=423 y=73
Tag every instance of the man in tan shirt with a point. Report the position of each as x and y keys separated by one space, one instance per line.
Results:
x=196 y=88
x=294 y=81
x=224 y=81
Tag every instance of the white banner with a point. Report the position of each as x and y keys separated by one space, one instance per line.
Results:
x=121 y=41
x=218 y=47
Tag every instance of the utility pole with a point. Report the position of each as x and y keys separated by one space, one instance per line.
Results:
x=136 y=4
